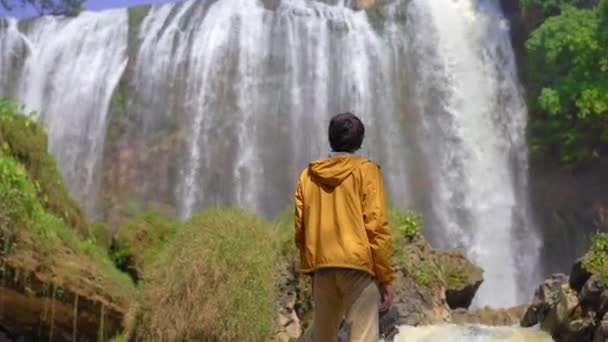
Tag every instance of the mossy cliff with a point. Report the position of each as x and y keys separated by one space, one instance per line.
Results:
x=56 y=282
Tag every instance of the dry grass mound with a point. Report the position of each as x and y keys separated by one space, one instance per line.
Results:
x=213 y=282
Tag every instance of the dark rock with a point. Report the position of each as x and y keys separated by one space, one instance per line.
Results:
x=601 y=333
x=545 y=299
x=593 y=294
x=549 y=291
x=579 y=275
x=568 y=315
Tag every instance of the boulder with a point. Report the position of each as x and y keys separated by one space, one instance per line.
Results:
x=567 y=314
x=419 y=284
x=594 y=296
x=462 y=278
x=545 y=298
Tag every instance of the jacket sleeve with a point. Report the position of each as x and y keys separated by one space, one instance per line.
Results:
x=376 y=223
x=299 y=206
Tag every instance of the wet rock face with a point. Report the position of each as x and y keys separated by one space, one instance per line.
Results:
x=32 y=309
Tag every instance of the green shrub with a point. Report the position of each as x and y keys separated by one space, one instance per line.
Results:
x=567 y=59
x=213 y=282
x=425 y=274
x=100 y=234
x=595 y=260
x=139 y=242
x=17 y=199
x=25 y=141
x=408 y=224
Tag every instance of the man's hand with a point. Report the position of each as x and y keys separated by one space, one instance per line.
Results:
x=386 y=297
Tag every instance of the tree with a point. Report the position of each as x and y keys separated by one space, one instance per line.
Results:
x=568 y=84
x=45 y=7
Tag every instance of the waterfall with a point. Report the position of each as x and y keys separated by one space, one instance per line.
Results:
x=473 y=130
x=68 y=75
x=221 y=103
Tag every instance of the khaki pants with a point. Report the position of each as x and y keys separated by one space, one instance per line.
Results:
x=351 y=294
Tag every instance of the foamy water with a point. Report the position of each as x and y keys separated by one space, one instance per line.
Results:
x=470 y=333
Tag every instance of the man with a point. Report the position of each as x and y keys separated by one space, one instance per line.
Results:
x=342 y=232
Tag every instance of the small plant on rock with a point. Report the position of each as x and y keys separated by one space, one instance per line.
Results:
x=409 y=224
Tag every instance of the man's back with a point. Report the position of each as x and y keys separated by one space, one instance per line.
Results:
x=342 y=203
x=343 y=236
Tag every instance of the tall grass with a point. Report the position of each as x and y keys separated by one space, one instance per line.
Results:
x=214 y=282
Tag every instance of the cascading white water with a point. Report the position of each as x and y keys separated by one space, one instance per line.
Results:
x=249 y=77
x=227 y=100
x=69 y=73
x=473 y=131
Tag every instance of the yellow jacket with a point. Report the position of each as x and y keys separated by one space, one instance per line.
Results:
x=341 y=218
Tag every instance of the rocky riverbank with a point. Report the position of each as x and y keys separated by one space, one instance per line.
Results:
x=574 y=308
x=430 y=284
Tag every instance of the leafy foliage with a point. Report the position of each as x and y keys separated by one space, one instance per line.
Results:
x=43 y=7
x=425 y=274
x=554 y=6
x=25 y=141
x=408 y=223
x=596 y=259
x=568 y=84
x=17 y=199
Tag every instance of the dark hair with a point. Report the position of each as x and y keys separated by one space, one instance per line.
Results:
x=346 y=133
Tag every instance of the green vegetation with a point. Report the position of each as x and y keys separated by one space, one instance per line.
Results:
x=25 y=141
x=30 y=232
x=214 y=281
x=408 y=224
x=595 y=260
x=568 y=80
x=140 y=241
x=457 y=271
x=37 y=218
x=43 y=7
x=425 y=274
x=551 y=7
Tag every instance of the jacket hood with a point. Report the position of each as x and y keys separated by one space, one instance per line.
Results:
x=334 y=170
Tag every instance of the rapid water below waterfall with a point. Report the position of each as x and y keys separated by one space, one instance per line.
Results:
x=207 y=103
x=470 y=333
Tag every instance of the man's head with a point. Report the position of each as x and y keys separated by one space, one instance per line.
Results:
x=346 y=133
